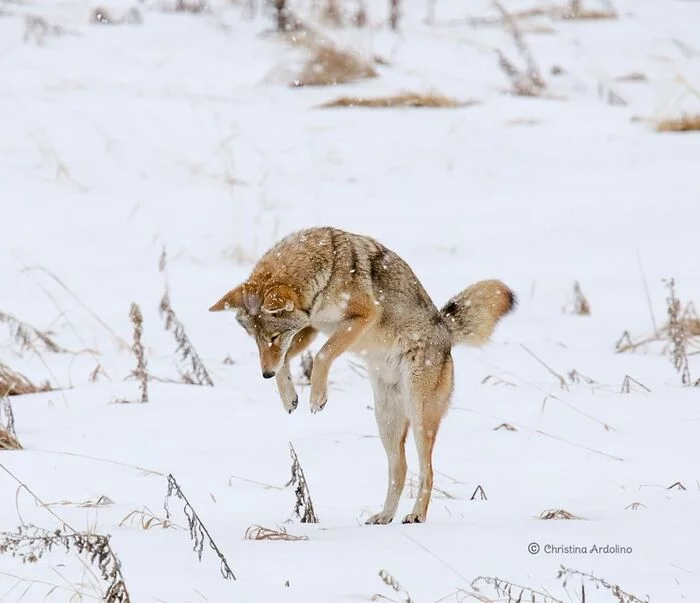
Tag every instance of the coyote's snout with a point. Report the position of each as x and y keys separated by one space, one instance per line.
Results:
x=368 y=301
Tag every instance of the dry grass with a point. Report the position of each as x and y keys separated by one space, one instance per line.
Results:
x=307 y=367
x=558 y=514
x=528 y=82
x=684 y=123
x=628 y=383
x=29 y=337
x=145 y=519
x=141 y=371
x=393 y=583
x=576 y=13
x=330 y=66
x=13 y=383
x=30 y=543
x=581 y=305
x=257 y=532
x=508 y=592
x=304 y=507
x=432 y=100
x=678 y=333
x=8 y=435
x=101 y=15
x=8 y=441
x=615 y=590
x=198 y=531
x=191 y=367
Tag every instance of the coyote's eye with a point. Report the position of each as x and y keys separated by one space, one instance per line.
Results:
x=275 y=337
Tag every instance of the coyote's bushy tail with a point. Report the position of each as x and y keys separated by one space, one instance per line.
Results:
x=472 y=314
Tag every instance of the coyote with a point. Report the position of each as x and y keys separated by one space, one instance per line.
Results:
x=368 y=301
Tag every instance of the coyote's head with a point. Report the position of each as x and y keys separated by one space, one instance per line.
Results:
x=272 y=317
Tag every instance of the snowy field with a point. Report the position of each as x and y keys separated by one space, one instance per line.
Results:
x=117 y=141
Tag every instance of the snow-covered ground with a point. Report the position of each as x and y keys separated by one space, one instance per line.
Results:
x=118 y=141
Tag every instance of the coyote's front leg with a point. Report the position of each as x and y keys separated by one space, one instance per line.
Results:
x=285 y=385
x=348 y=332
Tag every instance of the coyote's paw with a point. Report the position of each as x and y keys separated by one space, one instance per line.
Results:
x=319 y=397
x=290 y=400
x=379 y=519
x=291 y=405
x=413 y=518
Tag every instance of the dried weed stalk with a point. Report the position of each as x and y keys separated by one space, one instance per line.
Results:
x=432 y=100
x=8 y=422
x=38 y=28
x=497 y=381
x=307 y=366
x=616 y=591
x=192 y=369
x=562 y=381
x=479 y=492
x=581 y=305
x=30 y=543
x=257 y=532
x=677 y=334
x=394 y=14
x=525 y=83
x=198 y=532
x=141 y=371
x=101 y=15
x=506 y=426
x=195 y=7
x=304 y=507
x=576 y=377
x=680 y=332
x=510 y=592
x=392 y=582
x=8 y=435
x=627 y=385
x=557 y=514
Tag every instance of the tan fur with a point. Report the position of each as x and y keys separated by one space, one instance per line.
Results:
x=367 y=301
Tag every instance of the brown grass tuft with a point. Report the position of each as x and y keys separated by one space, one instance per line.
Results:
x=329 y=66
x=257 y=532
x=576 y=12
x=13 y=383
x=432 y=100
x=684 y=123
x=8 y=441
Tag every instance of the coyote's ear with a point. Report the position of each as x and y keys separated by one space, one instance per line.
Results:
x=231 y=301
x=280 y=298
